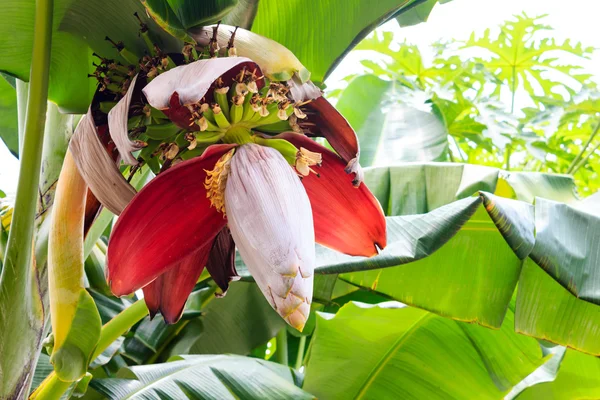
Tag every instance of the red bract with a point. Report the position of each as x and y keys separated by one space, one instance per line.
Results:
x=347 y=219
x=166 y=221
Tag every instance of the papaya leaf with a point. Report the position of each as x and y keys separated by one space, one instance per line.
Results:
x=518 y=58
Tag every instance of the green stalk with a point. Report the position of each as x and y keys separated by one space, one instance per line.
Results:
x=119 y=325
x=53 y=388
x=282 y=347
x=300 y=357
x=457 y=148
x=582 y=162
x=50 y=388
x=571 y=169
x=513 y=89
x=507 y=152
x=19 y=292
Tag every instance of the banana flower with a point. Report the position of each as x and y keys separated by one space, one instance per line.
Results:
x=258 y=183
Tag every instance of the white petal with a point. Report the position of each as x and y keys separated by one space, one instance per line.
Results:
x=190 y=81
x=270 y=219
x=117 y=126
x=97 y=168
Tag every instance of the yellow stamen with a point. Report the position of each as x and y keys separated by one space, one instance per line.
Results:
x=216 y=181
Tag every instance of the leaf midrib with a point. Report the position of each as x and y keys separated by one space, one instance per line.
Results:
x=387 y=357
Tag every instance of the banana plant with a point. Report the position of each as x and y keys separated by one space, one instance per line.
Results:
x=225 y=129
x=65 y=34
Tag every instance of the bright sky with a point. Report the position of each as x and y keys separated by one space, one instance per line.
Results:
x=576 y=19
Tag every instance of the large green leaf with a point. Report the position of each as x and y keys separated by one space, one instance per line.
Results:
x=461 y=256
x=69 y=85
x=577 y=379
x=384 y=351
x=546 y=373
x=236 y=323
x=566 y=246
x=548 y=311
x=204 y=377
x=331 y=28
x=8 y=117
x=470 y=278
x=387 y=130
x=243 y=14
x=526 y=186
x=416 y=14
x=178 y=16
x=79 y=27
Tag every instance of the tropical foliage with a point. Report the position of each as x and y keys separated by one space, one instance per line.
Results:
x=552 y=129
x=490 y=269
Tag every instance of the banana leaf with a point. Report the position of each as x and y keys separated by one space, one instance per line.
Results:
x=335 y=27
x=392 y=351
x=205 y=377
x=177 y=16
x=577 y=379
x=387 y=130
x=461 y=256
x=236 y=323
x=80 y=27
x=8 y=117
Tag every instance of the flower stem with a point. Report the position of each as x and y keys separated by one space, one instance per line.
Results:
x=513 y=90
x=300 y=357
x=50 y=388
x=19 y=336
x=119 y=325
x=582 y=162
x=458 y=149
x=507 y=154
x=572 y=169
x=282 y=347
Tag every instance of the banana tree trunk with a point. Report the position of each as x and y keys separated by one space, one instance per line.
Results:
x=22 y=309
